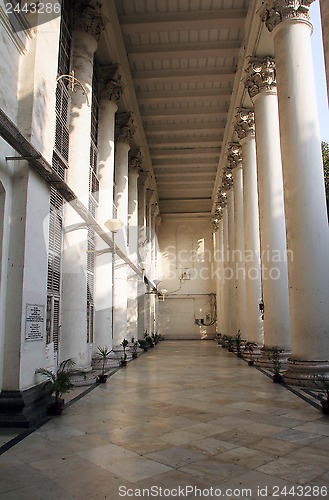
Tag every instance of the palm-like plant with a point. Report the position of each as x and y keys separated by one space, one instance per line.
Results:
x=103 y=355
x=124 y=344
x=60 y=382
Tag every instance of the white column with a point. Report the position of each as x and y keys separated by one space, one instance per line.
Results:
x=74 y=317
x=124 y=131
x=142 y=180
x=110 y=93
x=235 y=160
x=261 y=84
x=217 y=225
x=230 y=270
x=245 y=129
x=324 y=6
x=226 y=270
x=132 y=314
x=304 y=193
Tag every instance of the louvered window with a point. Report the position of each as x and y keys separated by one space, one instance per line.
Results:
x=59 y=164
x=93 y=171
x=91 y=274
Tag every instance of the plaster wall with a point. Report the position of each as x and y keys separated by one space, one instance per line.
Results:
x=187 y=272
x=28 y=67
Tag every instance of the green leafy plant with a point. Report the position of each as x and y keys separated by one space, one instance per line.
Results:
x=238 y=344
x=124 y=344
x=103 y=355
x=274 y=356
x=59 y=383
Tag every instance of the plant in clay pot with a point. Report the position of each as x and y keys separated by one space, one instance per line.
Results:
x=103 y=355
x=124 y=344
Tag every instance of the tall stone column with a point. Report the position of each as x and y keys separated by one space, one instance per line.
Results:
x=304 y=193
x=261 y=85
x=142 y=180
x=235 y=160
x=124 y=130
x=225 y=288
x=245 y=128
x=88 y=25
x=111 y=90
x=227 y=184
x=217 y=225
x=134 y=168
x=324 y=6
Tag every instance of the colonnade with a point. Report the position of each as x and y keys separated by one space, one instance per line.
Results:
x=282 y=198
x=116 y=287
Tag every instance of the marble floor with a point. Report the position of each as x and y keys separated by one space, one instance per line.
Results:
x=185 y=420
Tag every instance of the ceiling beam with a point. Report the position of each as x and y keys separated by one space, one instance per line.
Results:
x=185 y=75
x=186 y=141
x=183 y=161
x=183 y=20
x=183 y=95
x=184 y=127
x=184 y=152
x=161 y=52
x=190 y=112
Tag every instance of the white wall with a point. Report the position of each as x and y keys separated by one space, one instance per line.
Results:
x=186 y=246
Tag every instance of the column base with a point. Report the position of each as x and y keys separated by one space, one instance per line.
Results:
x=23 y=408
x=303 y=373
x=265 y=362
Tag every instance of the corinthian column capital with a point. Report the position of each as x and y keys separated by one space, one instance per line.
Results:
x=275 y=11
x=124 y=127
x=245 y=123
x=88 y=18
x=110 y=82
x=261 y=76
x=227 y=180
x=234 y=155
x=135 y=161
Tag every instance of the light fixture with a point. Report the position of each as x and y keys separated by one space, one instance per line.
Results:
x=114 y=225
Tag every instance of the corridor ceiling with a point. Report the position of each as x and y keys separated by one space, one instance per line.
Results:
x=179 y=60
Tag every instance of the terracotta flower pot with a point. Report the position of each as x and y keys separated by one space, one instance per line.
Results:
x=102 y=378
x=325 y=406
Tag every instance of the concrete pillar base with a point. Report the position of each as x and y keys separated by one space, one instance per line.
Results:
x=264 y=360
x=303 y=372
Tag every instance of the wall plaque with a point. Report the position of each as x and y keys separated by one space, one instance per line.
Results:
x=34 y=322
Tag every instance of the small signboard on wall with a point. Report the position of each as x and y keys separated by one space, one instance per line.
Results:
x=34 y=322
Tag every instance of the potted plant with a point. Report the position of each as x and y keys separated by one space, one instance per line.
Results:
x=230 y=343
x=134 y=346
x=274 y=357
x=59 y=383
x=323 y=385
x=249 y=347
x=103 y=355
x=238 y=344
x=124 y=344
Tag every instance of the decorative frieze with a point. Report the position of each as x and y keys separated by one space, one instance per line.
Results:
x=110 y=82
x=234 y=155
x=124 y=127
x=261 y=76
x=275 y=11
x=88 y=18
x=245 y=123
x=135 y=160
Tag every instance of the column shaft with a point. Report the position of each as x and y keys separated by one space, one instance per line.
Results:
x=231 y=271
x=74 y=324
x=272 y=223
x=239 y=263
x=305 y=204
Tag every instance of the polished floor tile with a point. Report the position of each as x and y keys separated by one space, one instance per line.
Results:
x=186 y=414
